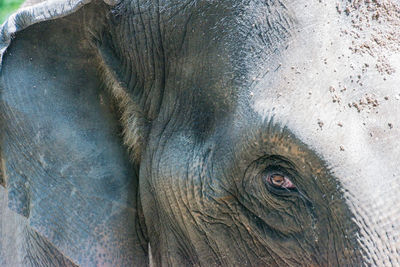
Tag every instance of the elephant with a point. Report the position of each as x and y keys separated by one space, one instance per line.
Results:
x=200 y=133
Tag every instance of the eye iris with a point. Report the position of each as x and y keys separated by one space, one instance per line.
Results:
x=280 y=181
x=277 y=179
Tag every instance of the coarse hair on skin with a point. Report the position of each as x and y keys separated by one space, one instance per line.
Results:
x=133 y=120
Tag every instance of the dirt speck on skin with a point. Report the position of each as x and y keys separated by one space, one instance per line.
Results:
x=341 y=148
x=320 y=123
x=390 y=125
x=368 y=102
x=355 y=104
x=335 y=97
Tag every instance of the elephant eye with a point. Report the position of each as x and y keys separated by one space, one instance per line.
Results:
x=280 y=181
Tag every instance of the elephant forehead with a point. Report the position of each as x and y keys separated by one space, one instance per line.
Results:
x=346 y=108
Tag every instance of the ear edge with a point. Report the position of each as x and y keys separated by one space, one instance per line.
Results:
x=40 y=12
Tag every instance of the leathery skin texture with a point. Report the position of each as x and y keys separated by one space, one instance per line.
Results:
x=200 y=133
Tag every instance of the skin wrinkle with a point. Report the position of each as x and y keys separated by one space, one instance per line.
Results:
x=181 y=9
x=341 y=228
x=147 y=90
x=242 y=241
x=364 y=231
x=269 y=249
x=137 y=79
x=166 y=208
x=306 y=252
x=253 y=239
x=41 y=252
x=213 y=247
x=257 y=42
x=238 y=230
x=202 y=232
x=195 y=221
x=277 y=250
x=186 y=205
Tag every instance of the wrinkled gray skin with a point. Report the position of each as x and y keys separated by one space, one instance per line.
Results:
x=143 y=132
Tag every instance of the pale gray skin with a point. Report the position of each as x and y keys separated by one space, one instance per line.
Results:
x=208 y=98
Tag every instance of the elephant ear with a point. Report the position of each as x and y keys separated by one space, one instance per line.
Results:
x=62 y=161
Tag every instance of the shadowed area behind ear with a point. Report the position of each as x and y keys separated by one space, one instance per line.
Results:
x=65 y=167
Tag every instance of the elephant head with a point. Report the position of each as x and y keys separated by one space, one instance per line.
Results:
x=242 y=132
